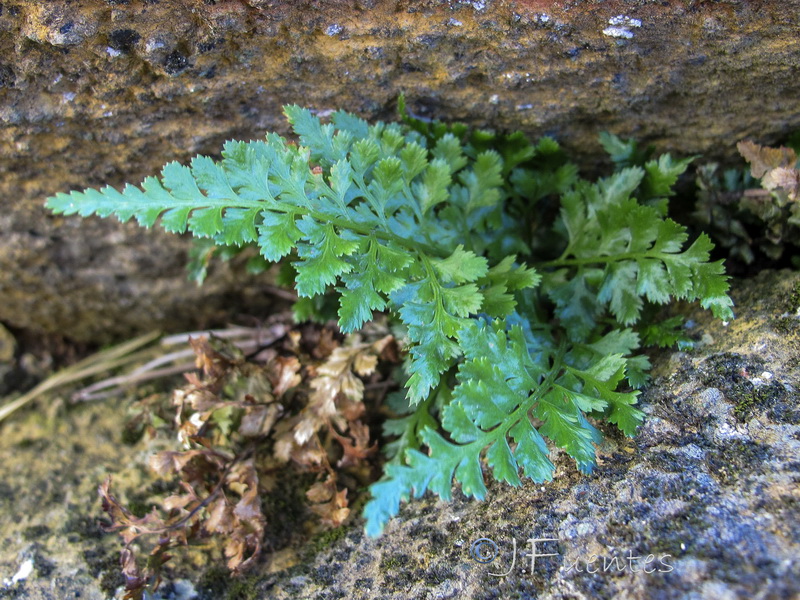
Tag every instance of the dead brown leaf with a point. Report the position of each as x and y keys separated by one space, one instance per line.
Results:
x=328 y=502
x=356 y=447
x=284 y=374
x=776 y=167
x=301 y=408
x=763 y=158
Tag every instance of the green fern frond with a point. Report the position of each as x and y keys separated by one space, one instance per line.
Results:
x=509 y=351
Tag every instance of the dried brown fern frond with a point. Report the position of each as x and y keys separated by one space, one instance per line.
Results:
x=240 y=422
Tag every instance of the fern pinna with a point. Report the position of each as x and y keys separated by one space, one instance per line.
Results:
x=522 y=318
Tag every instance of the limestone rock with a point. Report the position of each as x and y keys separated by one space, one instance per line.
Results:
x=105 y=92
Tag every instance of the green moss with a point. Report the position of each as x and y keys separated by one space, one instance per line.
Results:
x=131 y=434
x=390 y=563
x=217 y=583
x=737 y=459
x=35 y=531
x=285 y=511
x=387 y=564
x=677 y=536
x=744 y=407
x=326 y=539
x=243 y=588
x=792 y=308
x=81 y=526
x=139 y=508
x=214 y=583
x=105 y=567
x=794 y=299
x=731 y=373
x=785 y=325
x=437 y=574
x=29 y=443
x=788 y=322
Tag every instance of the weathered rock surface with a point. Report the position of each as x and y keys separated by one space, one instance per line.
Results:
x=709 y=488
x=102 y=92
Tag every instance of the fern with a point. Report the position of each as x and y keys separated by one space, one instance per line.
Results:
x=521 y=320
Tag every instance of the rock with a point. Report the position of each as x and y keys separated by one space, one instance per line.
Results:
x=702 y=503
x=105 y=92
x=8 y=347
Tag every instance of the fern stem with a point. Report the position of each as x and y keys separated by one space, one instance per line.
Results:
x=580 y=262
x=521 y=411
x=422 y=418
x=412 y=246
x=542 y=389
